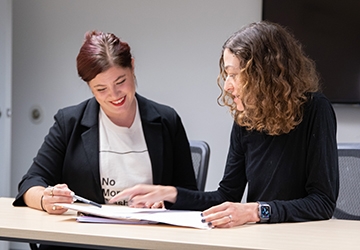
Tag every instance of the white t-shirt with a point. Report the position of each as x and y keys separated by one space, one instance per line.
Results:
x=124 y=157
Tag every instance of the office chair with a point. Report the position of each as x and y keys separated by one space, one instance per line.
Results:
x=348 y=203
x=200 y=153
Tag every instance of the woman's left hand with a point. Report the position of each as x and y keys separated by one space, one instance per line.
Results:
x=230 y=214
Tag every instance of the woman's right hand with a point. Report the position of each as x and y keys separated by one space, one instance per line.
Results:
x=46 y=198
x=59 y=193
x=143 y=195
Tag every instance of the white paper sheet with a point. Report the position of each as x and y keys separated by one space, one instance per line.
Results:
x=139 y=215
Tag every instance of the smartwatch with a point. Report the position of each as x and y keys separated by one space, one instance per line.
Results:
x=264 y=212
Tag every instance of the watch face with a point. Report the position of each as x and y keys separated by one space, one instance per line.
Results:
x=265 y=211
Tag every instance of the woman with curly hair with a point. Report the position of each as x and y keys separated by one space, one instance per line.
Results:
x=283 y=141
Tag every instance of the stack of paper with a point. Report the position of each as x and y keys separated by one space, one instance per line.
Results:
x=127 y=215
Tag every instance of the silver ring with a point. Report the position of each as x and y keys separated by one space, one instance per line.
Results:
x=230 y=217
x=54 y=208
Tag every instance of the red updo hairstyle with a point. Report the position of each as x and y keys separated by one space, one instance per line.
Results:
x=99 y=52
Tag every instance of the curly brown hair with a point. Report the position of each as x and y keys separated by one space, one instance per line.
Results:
x=276 y=78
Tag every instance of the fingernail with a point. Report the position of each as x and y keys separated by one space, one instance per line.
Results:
x=203 y=220
x=202 y=215
x=210 y=224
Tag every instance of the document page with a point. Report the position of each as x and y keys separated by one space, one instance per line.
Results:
x=128 y=215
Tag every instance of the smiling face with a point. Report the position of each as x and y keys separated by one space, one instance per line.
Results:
x=114 y=90
x=233 y=82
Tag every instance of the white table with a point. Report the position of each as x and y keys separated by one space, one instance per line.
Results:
x=29 y=225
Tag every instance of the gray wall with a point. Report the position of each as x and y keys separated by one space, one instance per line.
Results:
x=5 y=96
x=348 y=121
x=5 y=101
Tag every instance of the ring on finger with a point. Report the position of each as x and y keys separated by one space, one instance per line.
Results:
x=230 y=217
x=54 y=208
x=52 y=192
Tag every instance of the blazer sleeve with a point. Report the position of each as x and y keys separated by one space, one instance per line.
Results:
x=177 y=163
x=46 y=167
x=168 y=145
x=183 y=175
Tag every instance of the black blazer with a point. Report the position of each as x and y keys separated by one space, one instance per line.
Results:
x=70 y=152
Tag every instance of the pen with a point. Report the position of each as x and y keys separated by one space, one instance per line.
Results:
x=79 y=198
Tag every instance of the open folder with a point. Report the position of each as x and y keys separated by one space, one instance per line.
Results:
x=128 y=215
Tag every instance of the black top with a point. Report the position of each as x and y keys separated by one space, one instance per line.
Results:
x=296 y=173
x=70 y=152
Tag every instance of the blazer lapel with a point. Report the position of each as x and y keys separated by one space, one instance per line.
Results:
x=90 y=140
x=152 y=127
